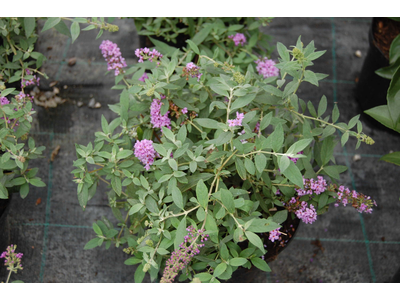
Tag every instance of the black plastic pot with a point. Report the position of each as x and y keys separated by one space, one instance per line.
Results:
x=372 y=89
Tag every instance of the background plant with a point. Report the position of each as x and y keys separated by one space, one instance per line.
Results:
x=19 y=70
x=389 y=115
x=221 y=155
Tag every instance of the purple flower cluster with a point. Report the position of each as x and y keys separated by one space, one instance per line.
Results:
x=191 y=70
x=34 y=80
x=12 y=259
x=156 y=118
x=181 y=257
x=145 y=53
x=143 y=77
x=274 y=235
x=145 y=152
x=307 y=215
x=184 y=110
x=112 y=54
x=238 y=38
x=293 y=159
x=266 y=67
x=360 y=201
x=4 y=101
x=237 y=121
x=312 y=186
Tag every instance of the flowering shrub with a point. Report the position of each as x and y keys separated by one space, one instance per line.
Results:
x=203 y=166
x=12 y=261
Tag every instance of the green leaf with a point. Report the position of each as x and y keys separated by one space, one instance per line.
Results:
x=242 y=101
x=193 y=46
x=202 y=193
x=283 y=162
x=283 y=51
x=93 y=243
x=124 y=100
x=393 y=158
x=163 y=47
x=202 y=34
x=255 y=240
x=135 y=208
x=299 y=146
x=260 y=264
x=7 y=92
x=227 y=200
x=116 y=185
x=3 y=192
x=203 y=276
x=237 y=261
x=240 y=168
x=151 y=205
x=276 y=138
x=132 y=261
x=51 y=22
x=260 y=162
x=220 y=89
x=220 y=269
x=180 y=233
x=36 y=181
x=63 y=28
x=249 y=165
x=280 y=216
x=322 y=106
x=24 y=190
x=212 y=226
x=177 y=197
x=293 y=173
x=97 y=229
x=29 y=24
x=393 y=97
x=381 y=114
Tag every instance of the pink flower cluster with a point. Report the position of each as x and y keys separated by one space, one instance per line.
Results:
x=143 y=77
x=238 y=38
x=11 y=259
x=112 y=54
x=145 y=152
x=184 y=110
x=156 y=118
x=34 y=80
x=266 y=67
x=360 y=201
x=312 y=186
x=181 y=257
x=237 y=121
x=191 y=70
x=274 y=235
x=145 y=53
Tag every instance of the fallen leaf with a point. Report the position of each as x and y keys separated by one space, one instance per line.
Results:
x=55 y=152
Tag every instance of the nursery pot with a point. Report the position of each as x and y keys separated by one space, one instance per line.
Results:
x=372 y=89
x=289 y=227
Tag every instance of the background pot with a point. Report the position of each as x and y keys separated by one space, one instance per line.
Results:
x=372 y=89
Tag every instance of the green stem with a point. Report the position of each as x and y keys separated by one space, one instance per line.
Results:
x=9 y=274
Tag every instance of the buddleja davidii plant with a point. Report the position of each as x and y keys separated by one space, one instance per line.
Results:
x=198 y=178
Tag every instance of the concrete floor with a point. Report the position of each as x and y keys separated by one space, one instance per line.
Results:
x=52 y=234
